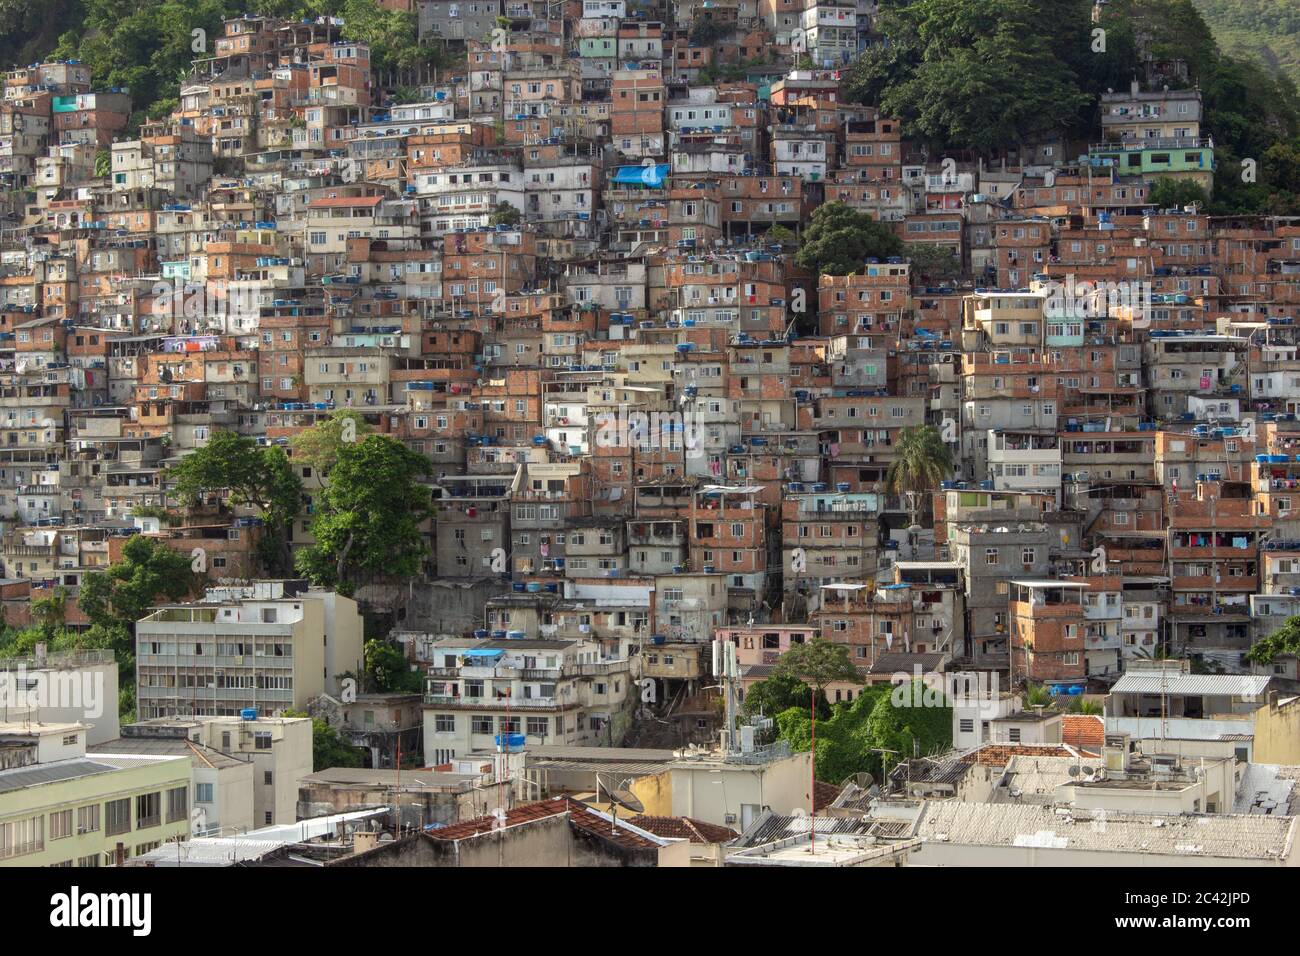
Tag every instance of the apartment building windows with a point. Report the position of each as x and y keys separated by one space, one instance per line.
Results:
x=148 y=810
x=88 y=818
x=178 y=804
x=21 y=837
x=117 y=815
x=61 y=825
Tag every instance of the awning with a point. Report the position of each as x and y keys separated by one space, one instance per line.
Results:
x=484 y=652
x=652 y=176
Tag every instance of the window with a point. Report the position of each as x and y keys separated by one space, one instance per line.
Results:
x=20 y=837
x=148 y=810
x=1014 y=735
x=539 y=726
x=967 y=725
x=480 y=724
x=178 y=800
x=444 y=723
x=990 y=555
x=118 y=814
x=88 y=818
x=203 y=793
x=61 y=825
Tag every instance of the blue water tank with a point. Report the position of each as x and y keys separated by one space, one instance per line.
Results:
x=248 y=713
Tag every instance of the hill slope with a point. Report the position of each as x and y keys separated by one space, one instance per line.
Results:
x=1265 y=30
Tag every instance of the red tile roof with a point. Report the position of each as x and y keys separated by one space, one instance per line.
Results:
x=516 y=815
x=997 y=755
x=589 y=821
x=1086 y=731
x=580 y=816
x=824 y=795
x=345 y=201
x=697 y=831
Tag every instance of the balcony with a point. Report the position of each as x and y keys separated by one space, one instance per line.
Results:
x=499 y=703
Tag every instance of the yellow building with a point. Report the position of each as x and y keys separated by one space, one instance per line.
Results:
x=59 y=807
x=1277 y=731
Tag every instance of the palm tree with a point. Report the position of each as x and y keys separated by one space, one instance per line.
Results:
x=1082 y=705
x=1036 y=695
x=921 y=461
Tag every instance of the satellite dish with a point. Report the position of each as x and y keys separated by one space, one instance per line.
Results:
x=623 y=798
x=861 y=779
x=1073 y=770
x=1088 y=771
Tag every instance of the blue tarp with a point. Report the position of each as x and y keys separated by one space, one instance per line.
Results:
x=652 y=176
x=483 y=652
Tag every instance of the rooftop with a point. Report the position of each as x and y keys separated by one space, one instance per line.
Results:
x=1221 y=836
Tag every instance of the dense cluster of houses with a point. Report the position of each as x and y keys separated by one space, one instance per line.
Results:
x=564 y=270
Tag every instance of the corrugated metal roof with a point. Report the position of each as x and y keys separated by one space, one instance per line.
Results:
x=19 y=778
x=1217 y=685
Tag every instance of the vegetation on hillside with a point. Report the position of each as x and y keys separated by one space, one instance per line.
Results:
x=148 y=45
x=984 y=75
x=1267 y=31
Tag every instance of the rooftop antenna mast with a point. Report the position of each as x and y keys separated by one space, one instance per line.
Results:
x=727 y=669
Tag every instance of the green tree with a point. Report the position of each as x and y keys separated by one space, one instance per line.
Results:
x=504 y=214
x=387 y=670
x=1284 y=641
x=1036 y=695
x=839 y=240
x=779 y=233
x=393 y=35
x=148 y=572
x=1169 y=193
x=115 y=599
x=779 y=693
x=979 y=74
x=907 y=719
x=50 y=612
x=1086 y=706
x=319 y=446
x=255 y=476
x=328 y=749
x=818 y=662
x=921 y=461
x=705 y=32
x=932 y=261
x=368 y=518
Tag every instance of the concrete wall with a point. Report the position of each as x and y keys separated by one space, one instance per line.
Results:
x=946 y=854
x=1277 y=731
x=550 y=842
x=418 y=808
